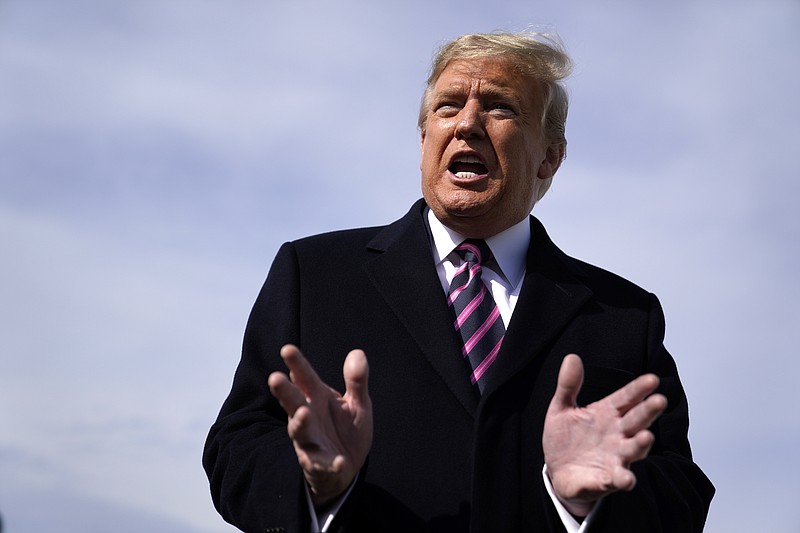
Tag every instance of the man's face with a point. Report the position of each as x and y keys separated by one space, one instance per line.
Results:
x=483 y=155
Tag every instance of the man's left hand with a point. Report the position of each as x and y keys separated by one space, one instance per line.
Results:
x=588 y=450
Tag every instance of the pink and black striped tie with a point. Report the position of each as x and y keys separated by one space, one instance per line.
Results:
x=477 y=317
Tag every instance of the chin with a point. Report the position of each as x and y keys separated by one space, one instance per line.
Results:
x=465 y=200
x=463 y=209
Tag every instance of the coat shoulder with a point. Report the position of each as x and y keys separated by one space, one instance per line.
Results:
x=604 y=284
x=346 y=242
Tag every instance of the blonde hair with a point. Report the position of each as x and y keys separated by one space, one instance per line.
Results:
x=541 y=57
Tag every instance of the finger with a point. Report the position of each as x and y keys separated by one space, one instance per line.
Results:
x=289 y=396
x=356 y=377
x=637 y=447
x=570 y=379
x=643 y=415
x=300 y=371
x=632 y=394
x=623 y=479
x=300 y=428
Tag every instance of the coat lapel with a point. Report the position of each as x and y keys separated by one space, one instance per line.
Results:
x=551 y=296
x=405 y=275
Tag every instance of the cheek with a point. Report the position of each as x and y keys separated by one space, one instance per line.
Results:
x=520 y=173
x=427 y=165
x=424 y=160
x=430 y=154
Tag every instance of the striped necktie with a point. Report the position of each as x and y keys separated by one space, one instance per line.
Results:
x=477 y=318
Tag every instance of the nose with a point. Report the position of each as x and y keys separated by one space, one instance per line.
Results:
x=470 y=122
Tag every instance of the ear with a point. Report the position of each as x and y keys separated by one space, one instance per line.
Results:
x=553 y=157
x=421 y=147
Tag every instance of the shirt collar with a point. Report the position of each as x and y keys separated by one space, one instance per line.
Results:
x=509 y=247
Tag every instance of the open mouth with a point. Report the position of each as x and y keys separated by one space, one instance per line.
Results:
x=466 y=167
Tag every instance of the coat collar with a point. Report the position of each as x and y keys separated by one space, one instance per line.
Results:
x=405 y=275
x=551 y=296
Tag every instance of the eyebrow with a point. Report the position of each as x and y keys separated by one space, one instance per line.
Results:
x=485 y=90
x=499 y=91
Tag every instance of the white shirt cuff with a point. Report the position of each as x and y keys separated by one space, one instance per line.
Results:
x=326 y=517
x=567 y=519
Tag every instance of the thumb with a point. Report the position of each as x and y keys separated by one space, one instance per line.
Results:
x=356 y=376
x=570 y=379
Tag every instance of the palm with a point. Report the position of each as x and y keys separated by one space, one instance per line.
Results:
x=332 y=434
x=588 y=450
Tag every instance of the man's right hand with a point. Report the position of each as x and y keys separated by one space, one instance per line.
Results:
x=332 y=433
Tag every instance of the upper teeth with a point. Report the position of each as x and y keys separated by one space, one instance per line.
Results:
x=468 y=159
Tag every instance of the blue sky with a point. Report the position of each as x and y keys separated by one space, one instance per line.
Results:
x=155 y=154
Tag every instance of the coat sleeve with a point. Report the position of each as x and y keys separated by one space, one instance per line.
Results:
x=256 y=481
x=672 y=495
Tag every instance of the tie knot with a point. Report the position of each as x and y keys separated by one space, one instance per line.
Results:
x=474 y=251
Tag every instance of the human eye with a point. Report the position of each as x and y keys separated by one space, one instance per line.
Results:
x=446 y=108
x=502 y=107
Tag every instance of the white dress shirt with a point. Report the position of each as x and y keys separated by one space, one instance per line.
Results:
x=502 y=276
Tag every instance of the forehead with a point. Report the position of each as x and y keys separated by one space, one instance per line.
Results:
x=485 y=75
